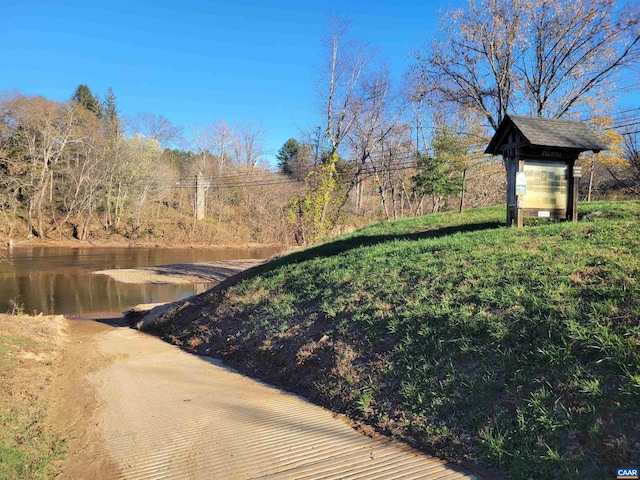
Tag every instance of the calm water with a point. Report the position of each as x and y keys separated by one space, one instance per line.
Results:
x=55 y=280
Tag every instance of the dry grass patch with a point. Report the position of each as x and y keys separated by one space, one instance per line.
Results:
x=30 y=349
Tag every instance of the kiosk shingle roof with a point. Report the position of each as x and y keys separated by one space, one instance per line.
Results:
x=547 y=132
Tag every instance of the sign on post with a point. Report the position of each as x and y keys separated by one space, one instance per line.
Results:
x=547 y=149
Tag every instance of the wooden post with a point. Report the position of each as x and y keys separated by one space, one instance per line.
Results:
x=520 y=198
x=512 y=201
x=574 y=201
x=576 y=173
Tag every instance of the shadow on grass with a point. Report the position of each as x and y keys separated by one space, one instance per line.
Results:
x=338 y=247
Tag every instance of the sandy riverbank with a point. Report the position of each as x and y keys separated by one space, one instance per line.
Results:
x=181 y=273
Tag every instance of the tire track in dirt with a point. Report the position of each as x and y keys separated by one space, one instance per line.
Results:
x=166 y=414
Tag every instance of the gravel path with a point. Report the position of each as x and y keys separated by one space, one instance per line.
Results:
x=165 y=413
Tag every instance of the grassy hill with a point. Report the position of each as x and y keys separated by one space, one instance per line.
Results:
x=513 y=349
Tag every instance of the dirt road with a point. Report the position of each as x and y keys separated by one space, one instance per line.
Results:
x=144 y=409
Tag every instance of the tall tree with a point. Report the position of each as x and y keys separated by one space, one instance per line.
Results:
x=249 y=145
x=85 y=97
x=223 y=138
x=286 y=156
x=110 y=114
x=547 y=58
x=345 y=60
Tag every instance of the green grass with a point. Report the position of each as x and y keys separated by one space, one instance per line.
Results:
x=510 y=348
x=26 y=450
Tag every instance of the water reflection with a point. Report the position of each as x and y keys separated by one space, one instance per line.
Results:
x=58 y=280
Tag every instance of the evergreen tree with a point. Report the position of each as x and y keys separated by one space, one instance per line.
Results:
x=109 y=107
x=286 y=155
x=110 y=114
x=84 y=97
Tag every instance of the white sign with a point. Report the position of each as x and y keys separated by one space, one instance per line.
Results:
x=521 y=183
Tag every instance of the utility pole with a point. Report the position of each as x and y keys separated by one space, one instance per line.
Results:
x=199 y=201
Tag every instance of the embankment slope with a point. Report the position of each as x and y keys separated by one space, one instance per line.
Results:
x=515 y=350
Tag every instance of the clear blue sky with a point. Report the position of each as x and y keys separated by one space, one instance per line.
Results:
x=196 y=62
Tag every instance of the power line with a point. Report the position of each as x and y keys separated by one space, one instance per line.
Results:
x=625 y=111
x=623 y=118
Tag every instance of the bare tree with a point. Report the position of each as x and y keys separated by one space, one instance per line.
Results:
x=485 y=182
x=156 y=127
x=472 y=63
x=40 y=130
x=627 y=173
x=573 y=52
x=141 y=175
x=632 y=154
x=390 y=168
x=8 y=193
x=223 y=139
x=82 y=175
x=380 y=141
x=544 y=57
x=249 y=144
x=214 y=144
x=346 y=60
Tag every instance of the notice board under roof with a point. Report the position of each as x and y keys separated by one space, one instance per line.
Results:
x=540 y=156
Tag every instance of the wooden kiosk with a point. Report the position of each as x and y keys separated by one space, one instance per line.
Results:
x=540 y=156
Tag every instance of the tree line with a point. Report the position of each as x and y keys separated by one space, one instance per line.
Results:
x=77 y=169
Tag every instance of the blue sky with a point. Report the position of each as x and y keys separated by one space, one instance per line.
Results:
x=197 y=62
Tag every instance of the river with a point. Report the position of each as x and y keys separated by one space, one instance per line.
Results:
x=58 y=280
